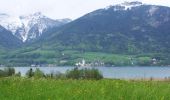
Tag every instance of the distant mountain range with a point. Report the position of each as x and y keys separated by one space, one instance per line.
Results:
x=30 y=27
x=130 y=28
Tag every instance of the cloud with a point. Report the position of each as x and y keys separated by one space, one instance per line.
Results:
x=62 y=8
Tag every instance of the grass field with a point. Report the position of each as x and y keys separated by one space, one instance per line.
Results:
x=50 y=89
x=29 y=56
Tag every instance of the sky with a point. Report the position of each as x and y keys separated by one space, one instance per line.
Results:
x=58 y=9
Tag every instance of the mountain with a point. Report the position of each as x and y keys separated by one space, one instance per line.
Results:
x=30 y=27
x=127 y=34
x=8 y=40
x=130 y=28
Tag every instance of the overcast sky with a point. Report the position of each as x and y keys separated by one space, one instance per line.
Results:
x=58 y=9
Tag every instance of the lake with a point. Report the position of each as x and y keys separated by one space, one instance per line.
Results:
x=112 y=72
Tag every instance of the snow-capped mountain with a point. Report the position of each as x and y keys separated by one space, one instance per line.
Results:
x=29 y=27
x=119 y=28
x=125 y=5
x=7 y=40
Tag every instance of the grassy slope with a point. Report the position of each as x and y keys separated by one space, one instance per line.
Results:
x=51 y=54
x=43 y=89
x=28 y=56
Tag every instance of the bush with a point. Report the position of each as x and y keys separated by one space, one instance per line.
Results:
x=84 y=74
x=18 y=74
x=74 y=74
x=91 y=74
x=56 y=75
x=30 y=73
x=38 y=73
x=2 y=73
x=8 y=71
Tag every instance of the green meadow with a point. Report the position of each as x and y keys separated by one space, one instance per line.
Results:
x=13 y=88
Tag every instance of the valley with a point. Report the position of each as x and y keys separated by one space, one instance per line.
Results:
x=84 y=50
x=127 y=34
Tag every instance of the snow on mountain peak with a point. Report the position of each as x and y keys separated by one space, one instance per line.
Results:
x=31 y=21
x=134 y=3
x=10 y=22
x=66 y=20
x=36 y=15
x=129 y=5
x=28 y=27
x=125 y=5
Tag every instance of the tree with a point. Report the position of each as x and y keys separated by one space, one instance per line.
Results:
x=9 y=71
x=84 y=74
x=30 y=73
x=38 y=73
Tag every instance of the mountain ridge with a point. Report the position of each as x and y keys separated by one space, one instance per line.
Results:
x=135 y=27
x=135 y=35
x=7 y=40
x=29 y=27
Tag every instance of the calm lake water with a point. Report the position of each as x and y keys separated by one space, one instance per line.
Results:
x=112 y=72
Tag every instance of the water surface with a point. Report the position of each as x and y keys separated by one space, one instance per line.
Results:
x=112 y=72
